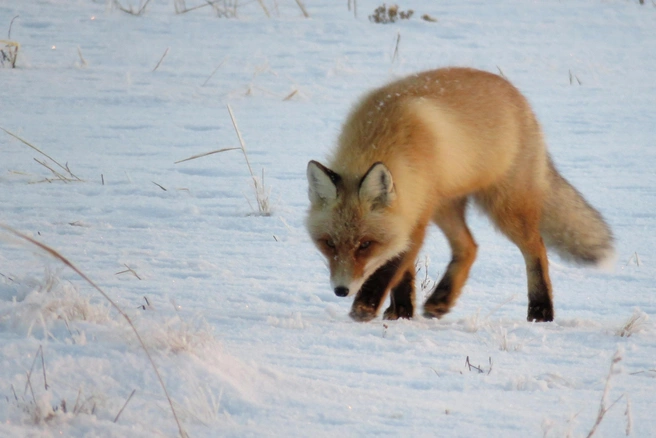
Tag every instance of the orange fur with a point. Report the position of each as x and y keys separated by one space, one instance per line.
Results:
x=443 y=137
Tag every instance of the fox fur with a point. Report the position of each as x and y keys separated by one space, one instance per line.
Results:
x=416 y=151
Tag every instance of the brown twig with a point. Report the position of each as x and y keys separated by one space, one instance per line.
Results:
x=159 y=185
x=74 y=268
x=468 y=364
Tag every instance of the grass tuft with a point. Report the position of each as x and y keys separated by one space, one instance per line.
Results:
x=8 y=48
x=634 y=324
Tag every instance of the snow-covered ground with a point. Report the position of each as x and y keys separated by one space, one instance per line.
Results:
x=235 y=308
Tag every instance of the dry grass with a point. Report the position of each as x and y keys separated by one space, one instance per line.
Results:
x=426 y=282
x=603 y=404
x=71 y=176
x=124 y=405
x=161 y=59
x=9 y=53
x=303 y=10
x=83 y=62
x=130 y=9
x=39 y=406
x=9 y=49
x=634 y=324
x=213 y=72
x=389 y=14
x=395 y=56
x=205 y=154
x=261 y=192
x=572 y=77
x=53 y=253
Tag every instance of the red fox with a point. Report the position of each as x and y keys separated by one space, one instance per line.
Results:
x=417 y=150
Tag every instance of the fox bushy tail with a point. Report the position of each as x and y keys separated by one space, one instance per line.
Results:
x=571 y=226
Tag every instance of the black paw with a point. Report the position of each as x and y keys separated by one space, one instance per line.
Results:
x=437 y=305
x=435 y=310
x=362 y=313
x=394 y=313
x=540 y=312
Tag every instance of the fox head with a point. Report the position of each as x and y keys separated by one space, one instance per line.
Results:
x=353 y=222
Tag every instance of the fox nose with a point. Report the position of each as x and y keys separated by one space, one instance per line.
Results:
x=341 y=291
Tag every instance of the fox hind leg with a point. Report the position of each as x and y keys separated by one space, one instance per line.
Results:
x=451 y=220
x=519 y=220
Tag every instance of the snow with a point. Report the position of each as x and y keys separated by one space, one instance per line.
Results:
x=235 y=308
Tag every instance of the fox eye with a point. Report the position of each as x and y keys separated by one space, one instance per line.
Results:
x=364 y=245
x=329 y=243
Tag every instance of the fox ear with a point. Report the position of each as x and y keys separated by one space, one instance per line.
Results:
x=377 y=186
x=322 y=183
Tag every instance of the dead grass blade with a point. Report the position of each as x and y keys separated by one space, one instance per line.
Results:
x=54 y=172
x=193 y=157
x=213 y=72
x=264 y=8
x=11 y=23
x=82 y=275
x=603 y=409
x=396 y=47
x=25 y=142
x=261 y=194
x=290 y=95
x=166 y=52
x=129 y=269
x=28 y=383
x=305 y=12
x=83 y=62
x=160 y=186
x=132 y=11
x=124 y=405
x=241 y=141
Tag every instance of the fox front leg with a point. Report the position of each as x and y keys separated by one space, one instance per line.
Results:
x=374 y=291
x=402 y=299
